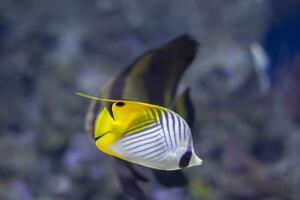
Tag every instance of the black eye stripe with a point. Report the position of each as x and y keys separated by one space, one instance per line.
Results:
x=120 y=104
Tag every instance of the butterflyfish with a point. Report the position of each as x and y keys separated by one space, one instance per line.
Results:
x=146 y=134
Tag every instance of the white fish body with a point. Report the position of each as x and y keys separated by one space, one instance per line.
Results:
x=165 y=145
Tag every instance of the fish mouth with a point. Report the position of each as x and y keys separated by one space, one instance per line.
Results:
x=100 y=136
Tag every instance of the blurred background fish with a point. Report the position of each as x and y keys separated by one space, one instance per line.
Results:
x=244 y=93
x=152 y=78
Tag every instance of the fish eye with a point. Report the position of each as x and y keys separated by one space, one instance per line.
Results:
x=120 y=104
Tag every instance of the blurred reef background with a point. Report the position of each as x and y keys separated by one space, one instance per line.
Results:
x=244 y=84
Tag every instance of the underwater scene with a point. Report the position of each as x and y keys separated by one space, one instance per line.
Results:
x=149 y=100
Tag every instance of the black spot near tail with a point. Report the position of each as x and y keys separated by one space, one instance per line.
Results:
x=185 y=159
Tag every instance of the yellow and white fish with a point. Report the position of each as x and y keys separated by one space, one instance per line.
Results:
x=145 y=134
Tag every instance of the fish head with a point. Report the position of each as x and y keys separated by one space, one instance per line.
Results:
x=113 y=121
x=116 y=117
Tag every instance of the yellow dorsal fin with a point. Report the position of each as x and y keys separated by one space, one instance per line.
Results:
x=94 y=98
x=115 y=100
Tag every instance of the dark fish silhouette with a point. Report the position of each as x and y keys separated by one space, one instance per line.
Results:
x=152 y=78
